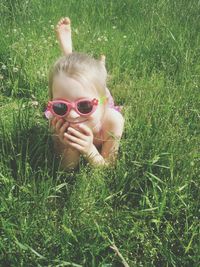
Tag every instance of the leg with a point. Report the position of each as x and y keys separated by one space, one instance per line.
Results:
x=63 y=32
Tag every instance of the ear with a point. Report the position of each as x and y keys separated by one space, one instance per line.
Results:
x=103 y=59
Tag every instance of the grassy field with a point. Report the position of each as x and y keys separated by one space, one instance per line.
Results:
x=143 y=212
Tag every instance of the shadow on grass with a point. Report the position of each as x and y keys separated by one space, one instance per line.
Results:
x=26 y=153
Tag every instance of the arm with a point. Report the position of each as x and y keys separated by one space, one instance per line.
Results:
x=114 y=127
x=112 y=134
x=81 y=139
x=69 y=156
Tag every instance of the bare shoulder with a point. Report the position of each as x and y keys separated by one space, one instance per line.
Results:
x=113 y=122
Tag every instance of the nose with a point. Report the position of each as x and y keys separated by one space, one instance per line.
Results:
x=72 y=114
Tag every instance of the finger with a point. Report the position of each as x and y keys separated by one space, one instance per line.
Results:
x=76 y=133
x=53 y=121
x=59 y=124
x=74 y=139
x=75 y=146
x=64 y=127
x=85 y=129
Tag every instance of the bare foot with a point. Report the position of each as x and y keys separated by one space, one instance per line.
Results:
x=63 y=32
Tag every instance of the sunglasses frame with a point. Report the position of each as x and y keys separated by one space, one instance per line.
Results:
x=73 y=105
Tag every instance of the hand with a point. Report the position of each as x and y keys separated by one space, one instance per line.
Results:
x=80 y=139
x=60 y=126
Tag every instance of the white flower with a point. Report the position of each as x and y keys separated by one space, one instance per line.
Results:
x=34 y=103
x=3 y=67
x=15 y=69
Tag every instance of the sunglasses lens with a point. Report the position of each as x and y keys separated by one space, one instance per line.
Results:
x=60 y=108
x=84 y=107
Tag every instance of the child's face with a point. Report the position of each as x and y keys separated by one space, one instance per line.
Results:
x=70 y=89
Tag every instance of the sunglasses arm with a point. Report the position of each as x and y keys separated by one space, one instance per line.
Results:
x=48 y=114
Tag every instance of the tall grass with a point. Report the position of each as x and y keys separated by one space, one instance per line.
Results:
x=148 y=205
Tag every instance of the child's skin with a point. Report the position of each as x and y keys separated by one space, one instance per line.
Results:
x=63 y=32
x=74 y=134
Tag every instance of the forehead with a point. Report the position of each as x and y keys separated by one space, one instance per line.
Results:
x=70 y=88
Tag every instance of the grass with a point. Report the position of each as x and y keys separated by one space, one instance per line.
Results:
x=148 y=205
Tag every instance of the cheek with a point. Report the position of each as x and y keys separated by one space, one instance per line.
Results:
x=96 y=116
x=95 y=121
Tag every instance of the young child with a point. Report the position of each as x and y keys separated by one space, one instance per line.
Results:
x=81 y=110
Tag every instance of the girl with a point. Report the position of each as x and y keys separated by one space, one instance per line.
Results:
x=81 y=110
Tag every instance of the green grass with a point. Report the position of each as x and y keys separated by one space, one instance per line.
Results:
x=148 y=205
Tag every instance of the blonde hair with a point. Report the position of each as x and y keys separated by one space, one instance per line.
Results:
x=81 y=67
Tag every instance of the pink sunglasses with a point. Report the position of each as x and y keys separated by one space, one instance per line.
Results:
x=62 y=107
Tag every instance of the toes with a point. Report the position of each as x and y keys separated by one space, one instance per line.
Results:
x=67 y=20
x=63 y=21
x=60 y=21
